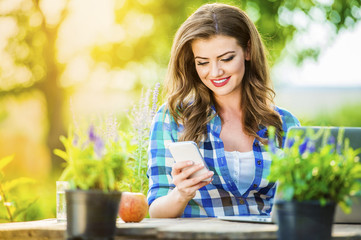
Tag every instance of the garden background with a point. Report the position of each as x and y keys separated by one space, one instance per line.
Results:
x=68 y=60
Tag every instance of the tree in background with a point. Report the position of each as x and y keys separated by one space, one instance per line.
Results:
x=31 y=62
x=145 y=29
x=277 y=20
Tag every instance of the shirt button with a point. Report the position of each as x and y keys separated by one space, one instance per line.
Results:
x=241 y=201
x=257 y=144
x=259 y=162
x=254 y=185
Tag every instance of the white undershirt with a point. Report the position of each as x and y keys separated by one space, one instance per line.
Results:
x=242 y=168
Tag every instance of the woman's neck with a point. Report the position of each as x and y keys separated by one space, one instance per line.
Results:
x=228 y=104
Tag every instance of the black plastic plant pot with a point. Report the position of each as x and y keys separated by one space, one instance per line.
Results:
x=306 y=220
x=92 y=214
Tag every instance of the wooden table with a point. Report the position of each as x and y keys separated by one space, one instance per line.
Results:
x=191 y=228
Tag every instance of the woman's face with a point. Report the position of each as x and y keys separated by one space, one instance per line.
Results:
x=220 y=64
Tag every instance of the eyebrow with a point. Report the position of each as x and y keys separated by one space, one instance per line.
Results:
x=217 y=56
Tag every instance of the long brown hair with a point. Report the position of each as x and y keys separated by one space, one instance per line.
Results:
x=190 y=101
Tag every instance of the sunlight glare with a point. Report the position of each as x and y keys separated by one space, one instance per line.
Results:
x=122 y=79
x=52 y=10
x=325 y=2
x=7 y=6
x=317 y=34
x=35 y=19
x=8 y=28
x=138 y=24
x=89 y=22
x=77 y=71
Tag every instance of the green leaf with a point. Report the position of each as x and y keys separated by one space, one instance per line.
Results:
x=19 y=211
x=66 y=174
x=288 y=192
x=61 y=153
x=9 y=185
x=5 y=161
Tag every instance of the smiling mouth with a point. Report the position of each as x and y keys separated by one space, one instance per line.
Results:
x=220 y=82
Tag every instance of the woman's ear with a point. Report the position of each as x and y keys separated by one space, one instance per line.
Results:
x=248 y=51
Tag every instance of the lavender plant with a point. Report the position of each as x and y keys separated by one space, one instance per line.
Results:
x=330 y=172
x=141 y=118
x=95 y=156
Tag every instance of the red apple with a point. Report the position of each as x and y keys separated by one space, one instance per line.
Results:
x=133 y=207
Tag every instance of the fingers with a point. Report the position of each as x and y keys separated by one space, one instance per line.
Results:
x=201 y=178
x=183 y=170
x=184 y=180
x=187 y=188
x=187 y=172
x=177 y=167
x=187 y=185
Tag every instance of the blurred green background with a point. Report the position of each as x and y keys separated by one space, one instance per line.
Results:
x=84 y=58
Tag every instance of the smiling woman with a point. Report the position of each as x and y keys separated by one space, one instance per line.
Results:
x=219 y=96
x=223 y=66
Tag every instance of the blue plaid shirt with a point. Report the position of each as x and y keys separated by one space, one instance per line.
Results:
x=221 y=197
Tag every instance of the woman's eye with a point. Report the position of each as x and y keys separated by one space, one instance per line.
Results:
x=201 y=63
x=227 y=59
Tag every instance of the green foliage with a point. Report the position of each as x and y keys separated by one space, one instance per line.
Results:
x=331 y=172
x=141 y=117
x=3 y=114
x=147 y=29
x=274 y=20
x=32 y=51
x=95 y=157
x=116 y=159
x=347 y=115
x=13 y=204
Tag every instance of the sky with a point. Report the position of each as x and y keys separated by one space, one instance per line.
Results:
x=338 y=65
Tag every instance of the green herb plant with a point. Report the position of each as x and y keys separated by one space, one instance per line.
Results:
x=95 y=156
x=141 y=118
x=331 y=172
x=13 y=204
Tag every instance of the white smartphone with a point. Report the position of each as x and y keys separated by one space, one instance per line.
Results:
x=188 y=151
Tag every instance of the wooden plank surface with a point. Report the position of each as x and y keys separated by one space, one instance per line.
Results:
x=191 y=228
x=218 y=229
x=34 y=230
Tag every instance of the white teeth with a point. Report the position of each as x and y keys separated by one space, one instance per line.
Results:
x=220 y=81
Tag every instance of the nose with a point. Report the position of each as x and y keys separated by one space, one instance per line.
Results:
x=216 y=70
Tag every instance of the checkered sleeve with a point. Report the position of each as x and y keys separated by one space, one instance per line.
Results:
x=163 y=131
x=288 y=120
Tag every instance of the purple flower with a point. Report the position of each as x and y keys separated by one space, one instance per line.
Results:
x=99 y=147
x=75 y=140
x=290 y=143
x=302 y=148
x=331 y=140
x=155 y=99
x=91 y=134
x=111 y=129
x=311 y=147
x=97 y=141
x=272 y=146
x=307 y=146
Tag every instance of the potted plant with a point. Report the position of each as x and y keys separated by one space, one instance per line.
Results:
x=95 y=158
x=314 y=172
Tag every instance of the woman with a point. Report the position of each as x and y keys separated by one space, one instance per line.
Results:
x=219 y=96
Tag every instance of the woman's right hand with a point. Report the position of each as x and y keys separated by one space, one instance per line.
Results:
x=185 y=185
x=174 y=203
